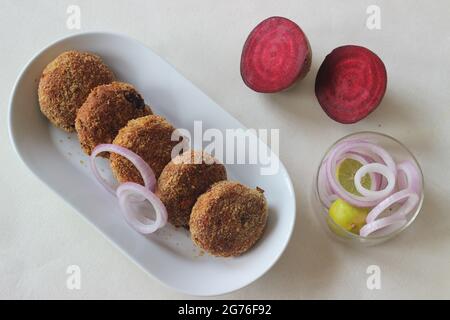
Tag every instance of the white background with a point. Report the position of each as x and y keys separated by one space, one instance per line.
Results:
x=40 y=236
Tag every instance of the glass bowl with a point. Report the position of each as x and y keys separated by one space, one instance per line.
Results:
x=399 y=153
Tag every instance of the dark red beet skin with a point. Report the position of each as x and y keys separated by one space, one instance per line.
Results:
x=350 y=83
x=275 y=55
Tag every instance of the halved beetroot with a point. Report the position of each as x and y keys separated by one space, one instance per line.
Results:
x=351 y=83
x=275 y=55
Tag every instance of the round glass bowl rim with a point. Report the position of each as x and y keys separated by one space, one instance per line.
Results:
x=371 y=238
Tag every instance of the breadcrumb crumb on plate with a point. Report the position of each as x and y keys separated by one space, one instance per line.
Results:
x=169 y=255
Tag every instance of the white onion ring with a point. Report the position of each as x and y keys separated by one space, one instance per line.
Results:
x=144 y=169
x=402 y=212
x=375 y=168
x=128 y=189
x=414 y=181
x=332 y=163
x=390 y=224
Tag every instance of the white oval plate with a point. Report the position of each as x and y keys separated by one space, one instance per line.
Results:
x=169 y=254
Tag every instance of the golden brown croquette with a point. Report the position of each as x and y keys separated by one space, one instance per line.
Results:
x=107 y=109
x=65 y=84
x=183 y=180
x=228 y=219
x=150 y=138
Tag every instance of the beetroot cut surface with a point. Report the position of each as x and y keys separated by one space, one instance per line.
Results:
x=350 y=83
x=275 y=55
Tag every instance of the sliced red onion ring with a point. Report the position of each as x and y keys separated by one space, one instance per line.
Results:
x=387 y=178
x=374 y=178
x=380 y=181
x=413 y=178
x=325 y=193
x=371 y=158
x=389 y=224
x=144 y=169
x=332 y=161
x=402 y=212
x=375 y=168
x=367 y=148
x=125 y=192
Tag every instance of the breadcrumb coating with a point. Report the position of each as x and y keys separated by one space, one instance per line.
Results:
x=107 y=109
x=65 y=84
x=183 y=180
x=228 y=219
x=150 y=138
